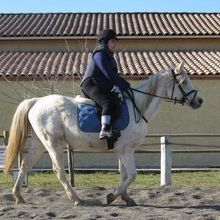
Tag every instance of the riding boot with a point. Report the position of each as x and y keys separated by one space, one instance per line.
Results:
x=105 y=131
x=106 y=126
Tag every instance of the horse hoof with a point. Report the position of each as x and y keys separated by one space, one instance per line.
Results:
x=131 y=202
x=110 y=198
x=79 y=203
x=20 y=201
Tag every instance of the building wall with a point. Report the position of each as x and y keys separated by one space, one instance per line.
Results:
x=12 y=92
x=170 y=119
x=181 y=119
x=123 y=44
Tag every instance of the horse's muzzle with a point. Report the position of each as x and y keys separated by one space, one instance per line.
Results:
x=196 y=103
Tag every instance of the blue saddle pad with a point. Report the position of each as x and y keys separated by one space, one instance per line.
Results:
x=88 y=120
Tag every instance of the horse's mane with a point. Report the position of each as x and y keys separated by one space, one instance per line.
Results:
x=150 y=81
x=153 y=85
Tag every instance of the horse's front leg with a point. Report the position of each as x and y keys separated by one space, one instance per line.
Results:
x=56 y=154
x=128 y=174
x=129 y=201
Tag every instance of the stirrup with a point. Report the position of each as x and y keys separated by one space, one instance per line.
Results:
x=115 y=134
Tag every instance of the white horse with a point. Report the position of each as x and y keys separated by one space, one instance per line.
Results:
x=53 y=124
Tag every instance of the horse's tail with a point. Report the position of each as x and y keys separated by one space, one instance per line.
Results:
x=18 y=133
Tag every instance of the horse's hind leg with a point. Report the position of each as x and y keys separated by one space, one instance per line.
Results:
x=127 y=176
x=33 y=155
x=56 y=154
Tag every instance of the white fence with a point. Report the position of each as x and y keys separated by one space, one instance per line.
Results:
x=2 y=157
x=166 y=149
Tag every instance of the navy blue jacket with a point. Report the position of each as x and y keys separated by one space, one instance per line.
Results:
x=103 y=70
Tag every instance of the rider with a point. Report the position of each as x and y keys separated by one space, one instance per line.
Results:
x=101 y=80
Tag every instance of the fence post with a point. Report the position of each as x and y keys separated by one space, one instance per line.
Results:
x=166 y=161
x=70 y=156
x=5 y=136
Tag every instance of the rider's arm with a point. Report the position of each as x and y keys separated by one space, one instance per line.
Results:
x=102 y=62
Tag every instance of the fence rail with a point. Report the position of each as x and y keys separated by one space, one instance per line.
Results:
x=165 y=150
x=5 y=135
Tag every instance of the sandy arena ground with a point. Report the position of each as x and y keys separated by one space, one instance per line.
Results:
x=159 y=203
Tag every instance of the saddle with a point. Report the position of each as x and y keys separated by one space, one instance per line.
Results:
x=90 y=121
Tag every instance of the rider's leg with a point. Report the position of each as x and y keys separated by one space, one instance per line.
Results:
x=106 y=100
x=106 y=126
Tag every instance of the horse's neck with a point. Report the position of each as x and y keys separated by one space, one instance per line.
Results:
x=149 y=104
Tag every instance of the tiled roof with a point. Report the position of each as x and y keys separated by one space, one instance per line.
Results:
x=38 y=64
x=125 y=24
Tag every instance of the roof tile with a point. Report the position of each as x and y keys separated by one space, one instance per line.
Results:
x=125 y=24
x=38 y=64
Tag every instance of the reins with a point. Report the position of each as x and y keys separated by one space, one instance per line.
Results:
x=174 y=100
x=131 y=96
x=130 y=93
x=171 y=99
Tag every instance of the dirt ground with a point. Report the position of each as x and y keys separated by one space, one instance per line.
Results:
x=155 y=203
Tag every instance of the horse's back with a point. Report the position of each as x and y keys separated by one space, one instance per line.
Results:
x=51 y=112
x=55 y=101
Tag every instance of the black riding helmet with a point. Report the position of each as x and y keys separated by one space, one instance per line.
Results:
x=106 y=35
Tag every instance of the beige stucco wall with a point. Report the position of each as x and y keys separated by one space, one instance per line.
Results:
x=170 y=119
x=11 y=93
x=181 y=119
x=123 y=45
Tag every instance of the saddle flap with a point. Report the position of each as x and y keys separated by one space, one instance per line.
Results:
x=89 y=121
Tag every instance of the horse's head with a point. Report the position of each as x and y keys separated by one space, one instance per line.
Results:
x=182 y=89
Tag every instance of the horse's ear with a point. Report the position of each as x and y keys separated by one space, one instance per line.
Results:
x=179 y=68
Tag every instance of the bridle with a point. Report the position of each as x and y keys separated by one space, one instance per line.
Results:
x=185 y=94
x=173 y=99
